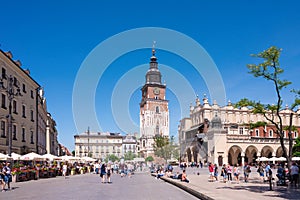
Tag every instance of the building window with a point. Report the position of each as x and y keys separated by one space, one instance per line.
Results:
x=14 y=107
x=3 y=101
x=283 y=133
x=157 y=130
x=16 y=82
x=295 y=134
x=24 y=88
x=23 y=111
x=31 y=137
x=271 y=133
x=3 y=129
x=31 y=115
x=157 y=109
x=241 y=131
x=23 y=135
x=14 y=132
x=256 y=132
x=31 y=94
x=4 y=73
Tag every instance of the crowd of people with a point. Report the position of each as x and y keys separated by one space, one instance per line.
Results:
x=266 y=172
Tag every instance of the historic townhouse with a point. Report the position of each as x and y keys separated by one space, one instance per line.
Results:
x=21 y=113
x=221 y=134
x=98 y=145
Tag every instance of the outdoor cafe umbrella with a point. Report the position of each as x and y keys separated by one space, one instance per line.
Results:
x=295 y=158
x=49 y=156
x=88 y=159
x=31 y=156
x=4 y=157
x=15 y=156
x=263 y=159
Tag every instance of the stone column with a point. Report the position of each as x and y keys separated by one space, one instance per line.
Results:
x=243 y=158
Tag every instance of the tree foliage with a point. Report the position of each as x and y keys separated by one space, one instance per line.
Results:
x=149 y=159
x=129 y=155
x=271 y=71
x=296 y=147
x=112 y=158
x=165 y=147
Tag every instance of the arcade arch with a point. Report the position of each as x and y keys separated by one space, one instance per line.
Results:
x=267 y=151
x=250 y=154
x=235 y=155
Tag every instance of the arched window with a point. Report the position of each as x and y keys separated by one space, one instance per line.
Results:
x=157 y=109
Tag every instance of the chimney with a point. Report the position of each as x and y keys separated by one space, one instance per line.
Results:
x=18 y=62
x=27 y=71
x=9 y=54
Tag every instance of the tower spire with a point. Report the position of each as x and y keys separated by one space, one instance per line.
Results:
x=153 y=48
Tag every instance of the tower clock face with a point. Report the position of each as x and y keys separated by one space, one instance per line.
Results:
x=156 y=90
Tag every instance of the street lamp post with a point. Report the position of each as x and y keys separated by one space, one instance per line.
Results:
x=12 y=91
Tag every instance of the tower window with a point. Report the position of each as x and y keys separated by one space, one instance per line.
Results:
x=157 y=109
x=157 y=130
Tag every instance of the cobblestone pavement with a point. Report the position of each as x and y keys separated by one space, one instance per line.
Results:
x=89 y=187
x=254 y=189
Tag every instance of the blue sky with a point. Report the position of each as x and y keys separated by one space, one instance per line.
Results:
x=53 y=38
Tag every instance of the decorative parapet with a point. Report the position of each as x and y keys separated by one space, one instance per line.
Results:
x=254 y=140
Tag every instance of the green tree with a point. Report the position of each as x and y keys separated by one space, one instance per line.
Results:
x=270 y=70
x=112 y=158
x=296 y=148
x=129 y=156
x=73 y=153
x=165 y=147
x=149 y=159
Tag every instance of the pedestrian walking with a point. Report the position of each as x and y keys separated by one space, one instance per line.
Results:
x=224 y=173
x=108 y=172
x=236 y=173
x=216 y=172
x=103 y=172
x=7 y=175
x=211 y=172
x=64 y=169
x=260 y=171
x=294 y=174
x=229 y=172
x=247 y=171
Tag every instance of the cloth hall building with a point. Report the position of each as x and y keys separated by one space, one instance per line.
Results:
x=225 y=135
